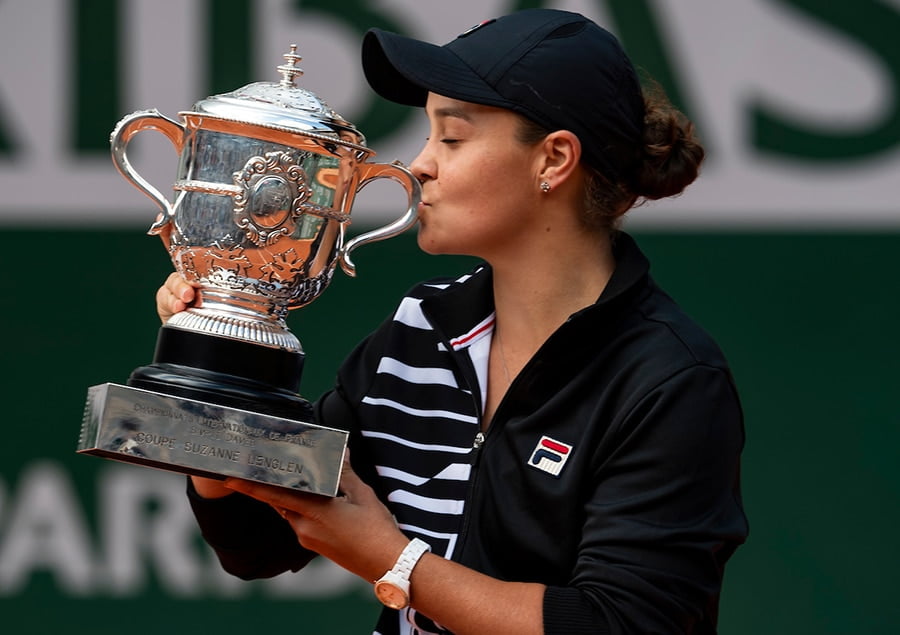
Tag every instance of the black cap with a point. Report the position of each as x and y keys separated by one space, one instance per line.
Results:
x=557 y=68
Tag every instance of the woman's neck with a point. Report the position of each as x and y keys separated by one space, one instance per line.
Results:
x=533 y=300
x=534 y=296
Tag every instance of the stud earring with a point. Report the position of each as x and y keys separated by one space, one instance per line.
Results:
x=545 y=187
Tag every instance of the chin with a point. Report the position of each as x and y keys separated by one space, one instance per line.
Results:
x=429 y=248
x=432 y=244
x=425 y=244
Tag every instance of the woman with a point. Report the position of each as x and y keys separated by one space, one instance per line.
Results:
x=560 y=442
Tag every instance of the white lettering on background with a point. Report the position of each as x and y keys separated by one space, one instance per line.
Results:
x=45 y=530
x=138 y=532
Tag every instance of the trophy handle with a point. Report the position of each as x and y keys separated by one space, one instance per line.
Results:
x=124 y=131
x=395 y=171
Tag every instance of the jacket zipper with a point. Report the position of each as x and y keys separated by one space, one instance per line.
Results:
x=477 y=444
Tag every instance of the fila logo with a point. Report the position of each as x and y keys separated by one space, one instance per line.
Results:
x=550 y=456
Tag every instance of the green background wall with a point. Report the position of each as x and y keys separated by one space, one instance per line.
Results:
x=799 y=102
x=807 y=320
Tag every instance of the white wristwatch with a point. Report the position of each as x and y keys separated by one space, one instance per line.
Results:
x=392 y=589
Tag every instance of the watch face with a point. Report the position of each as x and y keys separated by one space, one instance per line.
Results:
x=391 y=595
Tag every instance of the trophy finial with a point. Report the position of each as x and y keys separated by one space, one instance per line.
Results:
x=290 y=70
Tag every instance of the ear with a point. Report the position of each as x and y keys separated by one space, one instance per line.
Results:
x=560 y=157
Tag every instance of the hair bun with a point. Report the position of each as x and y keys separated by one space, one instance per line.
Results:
x=671 y=156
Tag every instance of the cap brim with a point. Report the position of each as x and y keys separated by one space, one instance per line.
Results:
x=404 y=70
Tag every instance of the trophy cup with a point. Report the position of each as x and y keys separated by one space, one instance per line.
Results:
x=265 y=184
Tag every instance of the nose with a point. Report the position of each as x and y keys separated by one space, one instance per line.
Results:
x=423 y=167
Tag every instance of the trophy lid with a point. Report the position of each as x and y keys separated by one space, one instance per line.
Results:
x=282 y=105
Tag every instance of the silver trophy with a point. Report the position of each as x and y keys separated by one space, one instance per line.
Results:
x=266 y=180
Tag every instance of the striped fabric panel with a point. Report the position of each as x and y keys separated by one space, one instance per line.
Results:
x=420 y=421
x=432 y=413
x=417 y=375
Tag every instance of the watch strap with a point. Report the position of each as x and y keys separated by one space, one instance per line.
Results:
x=392 y=589
x=409 y=557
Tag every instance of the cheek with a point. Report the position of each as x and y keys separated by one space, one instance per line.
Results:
x=484 y=178
x=491 y=176
x=511 y=170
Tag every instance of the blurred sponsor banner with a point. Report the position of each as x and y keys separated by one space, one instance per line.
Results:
x=797 y=100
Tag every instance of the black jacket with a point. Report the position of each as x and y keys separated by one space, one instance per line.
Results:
x=610 y=471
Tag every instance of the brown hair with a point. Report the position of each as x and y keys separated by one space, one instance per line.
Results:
x=668 y=161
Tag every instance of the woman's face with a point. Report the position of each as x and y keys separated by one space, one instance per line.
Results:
x=479 y=182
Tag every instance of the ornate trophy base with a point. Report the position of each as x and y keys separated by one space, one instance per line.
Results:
x=237 y=416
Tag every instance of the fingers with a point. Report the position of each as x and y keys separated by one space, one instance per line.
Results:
x=210 y=488
x=174 y=296
x=165 y=306
x=282 y=499
x=285 y=513
x=351 y=485
x=180 y=289
x=353 y=530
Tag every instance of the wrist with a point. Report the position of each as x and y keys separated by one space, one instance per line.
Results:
x=393 y=588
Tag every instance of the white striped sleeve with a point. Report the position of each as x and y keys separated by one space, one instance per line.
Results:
x=430 y=447
x=414 y=375
x=424 y=503
x=419 y=412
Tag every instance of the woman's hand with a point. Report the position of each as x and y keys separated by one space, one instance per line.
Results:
x=359 y=534
x=210 y=488
x=354 y=530
x=174 y=296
